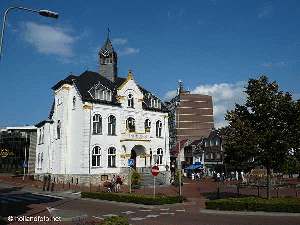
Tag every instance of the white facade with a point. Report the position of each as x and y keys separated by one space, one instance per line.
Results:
x=75 y=142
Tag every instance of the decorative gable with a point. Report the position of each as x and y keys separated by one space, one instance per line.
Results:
x=129 y=93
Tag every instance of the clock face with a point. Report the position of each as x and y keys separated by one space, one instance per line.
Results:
x=105 y=52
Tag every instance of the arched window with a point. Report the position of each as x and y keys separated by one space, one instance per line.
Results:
x=130 y=101
x=159 y=156
x=111 y=157
x=158 y=128
x=96 y=156
x=111 y=125
x=97 y=124
x=74 y=102
x=130 y=124
x=147 y=126
x=58 y=129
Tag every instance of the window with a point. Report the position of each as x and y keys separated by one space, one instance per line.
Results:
x=58 y=129
x=96 y=156
x=38 y=160
x=112 y=157
x=42 y=158
x=97 y=124
x=130 y=101
x=40 y=136
x=147 y=126
x=158 y=128
x=159 y=156
x=111 y=125
x=108 y=95
x=130 y=124
x=74 y=102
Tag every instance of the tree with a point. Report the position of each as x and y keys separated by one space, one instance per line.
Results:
x=262 y=131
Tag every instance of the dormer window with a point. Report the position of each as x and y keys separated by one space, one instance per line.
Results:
x=130 y=101
x=102 y=93
x=130 y=124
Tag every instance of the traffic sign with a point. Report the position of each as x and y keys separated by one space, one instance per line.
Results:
x=155 y=171
x=130 y=162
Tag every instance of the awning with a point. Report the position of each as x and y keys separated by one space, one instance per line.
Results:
x=194 y=166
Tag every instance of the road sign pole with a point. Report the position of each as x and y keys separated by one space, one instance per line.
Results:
x=154 y=187
x=129 y=179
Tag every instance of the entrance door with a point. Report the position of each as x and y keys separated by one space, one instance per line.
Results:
x=133 y=156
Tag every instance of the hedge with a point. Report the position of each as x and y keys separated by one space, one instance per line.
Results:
x=287 y=204
x=115 y=220
x=138 y=199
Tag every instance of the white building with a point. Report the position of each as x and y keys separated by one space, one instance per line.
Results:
x=98 y=122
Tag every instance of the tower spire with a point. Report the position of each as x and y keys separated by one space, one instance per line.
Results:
x=108 y=32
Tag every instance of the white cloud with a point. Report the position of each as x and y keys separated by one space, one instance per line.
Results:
x=49 y=39
x=170 y=94
x=225 y=96
x=274 y=64
x=265 y=11
x=129 y=51
x=119 y=41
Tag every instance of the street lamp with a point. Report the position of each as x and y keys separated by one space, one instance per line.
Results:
x=42 y=12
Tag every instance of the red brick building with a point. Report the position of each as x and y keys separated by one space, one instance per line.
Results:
x=190 y=118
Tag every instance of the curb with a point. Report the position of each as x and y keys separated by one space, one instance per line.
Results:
x=248 y=213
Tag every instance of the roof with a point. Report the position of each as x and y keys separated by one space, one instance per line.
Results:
x=175 y=150
x=108 y=45
x=88 y=79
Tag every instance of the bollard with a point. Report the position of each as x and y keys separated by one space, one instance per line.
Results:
x=258 y=191
x=277 y=190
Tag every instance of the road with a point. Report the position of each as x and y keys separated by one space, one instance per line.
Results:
x=17 y=202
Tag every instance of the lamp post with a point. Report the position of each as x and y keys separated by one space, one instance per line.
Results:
x=42 y=12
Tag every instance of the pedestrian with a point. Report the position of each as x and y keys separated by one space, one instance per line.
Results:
x=193 y=176
x=119 y=183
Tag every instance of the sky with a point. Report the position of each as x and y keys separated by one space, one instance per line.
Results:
x=213 y=46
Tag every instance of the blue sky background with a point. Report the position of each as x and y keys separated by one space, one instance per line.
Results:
x=214 y=46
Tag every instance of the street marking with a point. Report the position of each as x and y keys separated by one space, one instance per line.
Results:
x=109 y=215
x=145 y=210
x=164 y=213
x=165 y=209
x=137 y=218
x=128 y=212
x=99 y=218
x=76 y=193
x=152 y=216
x=180 y=210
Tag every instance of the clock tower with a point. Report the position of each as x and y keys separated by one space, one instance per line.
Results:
x=108 y=60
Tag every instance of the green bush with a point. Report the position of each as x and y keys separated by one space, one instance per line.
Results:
x=138 y=199
x=288 y=204
x=115 y=220
x=135 y=179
